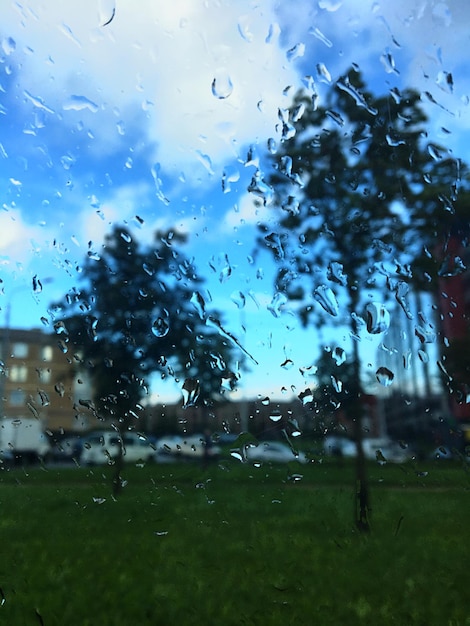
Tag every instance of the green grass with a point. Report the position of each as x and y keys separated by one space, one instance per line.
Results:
x=234 y=545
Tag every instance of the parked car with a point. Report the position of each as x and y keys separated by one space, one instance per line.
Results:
x=383 y=449
x=66 y=450
x=335 y=445
x=103 y=447
x=190 y=447
x=274 y=452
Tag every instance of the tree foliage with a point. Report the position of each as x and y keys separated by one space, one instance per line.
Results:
x=353 y=183
x=141 y=312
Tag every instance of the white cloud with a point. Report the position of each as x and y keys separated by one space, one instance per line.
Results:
x=19 y=241
x=162 y=57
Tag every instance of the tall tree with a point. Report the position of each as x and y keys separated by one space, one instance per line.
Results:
x=345 y=182
x=139 y=312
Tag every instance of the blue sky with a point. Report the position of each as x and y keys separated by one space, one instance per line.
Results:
x=142 y=117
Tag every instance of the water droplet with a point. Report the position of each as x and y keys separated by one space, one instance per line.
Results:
x=261 y=189
x=337 y=384
x=238 y=298
x=425 y=333
x=337 y=119
x=423 y=356
x=273 y=32
x=155 y=171
x=62 y=347
x=60 y=328
x=222 y=86
x=38 y=102
x=94 y=202
x=295 y=478
x=43 y=397
x=237 y=454
x=244 y=28
x=272 y=145
x=388 y=62
x=338 y=355
x=191 y=390
x=230 y=175
x=401 y=291
x=295 y=52
x=445 y=81
x=288 y=130
x=60 y=389
x=325 y=296
x=335 y=273
x=435 y=152
x=275 y=416
x=394 y=141
x=330 y=5
x=161 y=326
x=323 y=74
x=293 y=429
x=406 y=360
x=79 y=103
x=385 y=376
x=306 y=396
x=37 y=285
x=199 y=304
x=226 y=271
x=205 y=160
x=276 y=304
x=345 y=85
x=377 y=318
x=106 y=11
x=320 y=36
x=8 y=45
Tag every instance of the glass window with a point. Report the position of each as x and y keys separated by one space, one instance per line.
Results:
x=45 y=375
x=17 y=397
x=18 y=373
x=46 y=353
x=20 y=350
x=236 y=233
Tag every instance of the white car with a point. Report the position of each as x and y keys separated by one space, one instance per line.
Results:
x=336 y=445
x=274 y=452
x=103 y=447
x=384 y=449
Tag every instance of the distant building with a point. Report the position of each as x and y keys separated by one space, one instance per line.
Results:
x=39 y=380
x=454 y=305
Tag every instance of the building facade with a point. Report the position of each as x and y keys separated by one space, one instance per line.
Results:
x=38 y=380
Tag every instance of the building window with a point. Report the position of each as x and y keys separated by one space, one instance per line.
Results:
x=20 y=350
x=46 y=353
x=44 y=374
x=18 y=373
x=17 y=397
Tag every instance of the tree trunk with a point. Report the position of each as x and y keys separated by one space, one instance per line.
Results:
x=361 y=496
x=362 y=501
x=116 y=477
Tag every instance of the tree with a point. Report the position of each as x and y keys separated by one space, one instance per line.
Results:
x=140 y=311
x=345 y=184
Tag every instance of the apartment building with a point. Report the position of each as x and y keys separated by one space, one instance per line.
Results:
x=38 y=380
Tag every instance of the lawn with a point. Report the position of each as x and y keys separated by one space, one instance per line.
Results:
x=234 y=545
